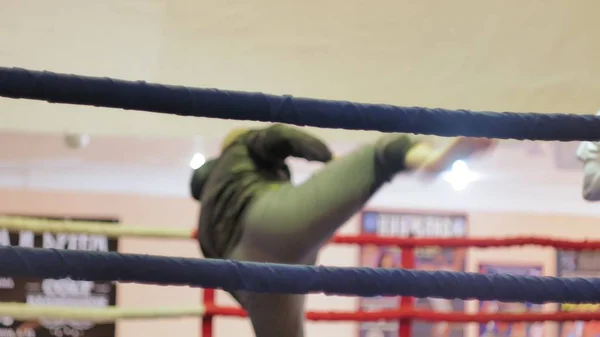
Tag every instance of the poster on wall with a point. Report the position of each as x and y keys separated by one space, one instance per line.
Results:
x=579 y=264
x=502 y=329
x=405 y=224
x=61 y=292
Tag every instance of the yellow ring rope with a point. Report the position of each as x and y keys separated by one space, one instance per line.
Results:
x=40 y=226
x=24 y=312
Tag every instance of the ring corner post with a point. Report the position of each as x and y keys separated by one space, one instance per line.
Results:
x=406 y=302
x=208 y=300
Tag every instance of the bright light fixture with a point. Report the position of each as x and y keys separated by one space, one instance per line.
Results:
x=460 y=176
x=197 y=160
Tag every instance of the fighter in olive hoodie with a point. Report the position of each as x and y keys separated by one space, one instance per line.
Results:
x=252 y=212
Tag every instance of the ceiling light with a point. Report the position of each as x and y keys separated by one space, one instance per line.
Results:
x=197 y=161
x=460 y=176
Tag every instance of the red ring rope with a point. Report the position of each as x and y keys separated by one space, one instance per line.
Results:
x=576 y=245
x=428 y=316
x=467 y=242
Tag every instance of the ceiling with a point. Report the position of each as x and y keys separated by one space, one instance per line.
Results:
x=511 y=55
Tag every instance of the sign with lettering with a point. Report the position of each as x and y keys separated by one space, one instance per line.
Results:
x=406 y=224
x=53 y=292
x=578 y=264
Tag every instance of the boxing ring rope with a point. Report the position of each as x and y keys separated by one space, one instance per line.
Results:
x=209 y=310
x=22 y=311
x=280 y=278
x=257 y=277
x=215 y=103
x=427 y=316
x=212 y=310
x=41 y=226
x=90 y=227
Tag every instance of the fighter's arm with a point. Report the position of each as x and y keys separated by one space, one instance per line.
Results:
x=588 y=153
x=280 y=141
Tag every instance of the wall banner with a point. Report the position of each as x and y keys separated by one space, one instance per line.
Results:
x=404 y=224
x=63 y=292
